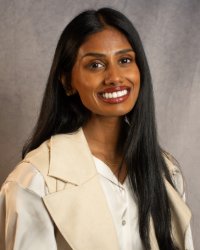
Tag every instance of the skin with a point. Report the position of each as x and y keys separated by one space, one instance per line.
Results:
x=106 y=63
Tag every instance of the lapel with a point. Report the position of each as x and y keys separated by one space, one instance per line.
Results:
x=80 y=209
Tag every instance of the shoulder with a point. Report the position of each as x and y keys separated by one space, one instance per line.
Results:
x=32 y=174
x=24 y=220
x=24 y=177
x=55 y=142
x=175 y=172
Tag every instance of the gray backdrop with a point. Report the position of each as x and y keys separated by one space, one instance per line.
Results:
x=170 y=30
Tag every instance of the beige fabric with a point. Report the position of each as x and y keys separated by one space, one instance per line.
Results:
x=75 y=200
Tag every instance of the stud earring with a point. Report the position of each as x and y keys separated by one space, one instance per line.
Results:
x=70 y=92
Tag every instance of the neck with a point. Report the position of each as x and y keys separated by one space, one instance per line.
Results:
x=102 y=134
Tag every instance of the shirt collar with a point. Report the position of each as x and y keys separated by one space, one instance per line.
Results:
x=107 y=173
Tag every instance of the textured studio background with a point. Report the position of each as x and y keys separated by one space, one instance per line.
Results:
x=170 y=30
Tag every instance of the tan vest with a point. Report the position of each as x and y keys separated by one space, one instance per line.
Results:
x=76 y=202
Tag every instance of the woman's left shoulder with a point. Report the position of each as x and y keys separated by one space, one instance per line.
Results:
x=175 y=172
x=178 y=180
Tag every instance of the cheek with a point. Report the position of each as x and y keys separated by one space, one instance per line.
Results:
x=85 y=91
x=136 y=74
x=132 y=74
x=134 y=77
x=136 y=88
x=85 y=85
x=81 y=81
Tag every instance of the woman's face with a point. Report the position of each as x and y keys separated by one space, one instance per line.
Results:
x=106 y=75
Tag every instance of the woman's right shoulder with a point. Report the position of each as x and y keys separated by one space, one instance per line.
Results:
x=24 y=220
x=25 y=177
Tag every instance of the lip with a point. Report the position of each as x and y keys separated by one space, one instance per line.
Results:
x=114 y=100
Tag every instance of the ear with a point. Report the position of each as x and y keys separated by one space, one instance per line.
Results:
x=69 y=90
x=63 y=81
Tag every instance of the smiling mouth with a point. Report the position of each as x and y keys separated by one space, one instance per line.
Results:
x=115 y=95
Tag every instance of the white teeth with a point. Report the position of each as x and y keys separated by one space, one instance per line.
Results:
x=115 y=94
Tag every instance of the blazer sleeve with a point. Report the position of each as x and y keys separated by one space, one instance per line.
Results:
x=178 y=180
x=24 y=221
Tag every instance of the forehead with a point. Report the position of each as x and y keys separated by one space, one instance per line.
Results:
x=110 y=39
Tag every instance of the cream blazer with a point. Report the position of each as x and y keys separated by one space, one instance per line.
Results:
x=75 y=200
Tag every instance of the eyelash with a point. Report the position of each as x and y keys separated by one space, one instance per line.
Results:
x=100 y=64
x=91 y=66
x=127 y=59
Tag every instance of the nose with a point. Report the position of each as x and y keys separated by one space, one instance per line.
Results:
x=113 y=76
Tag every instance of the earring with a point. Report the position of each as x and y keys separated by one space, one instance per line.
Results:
x=70 y=92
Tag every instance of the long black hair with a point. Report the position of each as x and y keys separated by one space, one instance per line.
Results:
x=141 y=151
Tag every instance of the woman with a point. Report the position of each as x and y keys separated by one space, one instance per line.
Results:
x=93 y=175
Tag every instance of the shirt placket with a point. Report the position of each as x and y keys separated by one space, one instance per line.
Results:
x=124 y=223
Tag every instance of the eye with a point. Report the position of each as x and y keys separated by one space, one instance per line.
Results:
x=96 y=65
x=125 y=60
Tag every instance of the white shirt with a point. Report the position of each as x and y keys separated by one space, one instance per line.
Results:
x=122 y=206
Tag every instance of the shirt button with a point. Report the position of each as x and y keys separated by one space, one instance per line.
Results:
x=123 y=222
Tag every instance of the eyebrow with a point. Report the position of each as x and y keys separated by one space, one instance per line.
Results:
x=96 y=54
